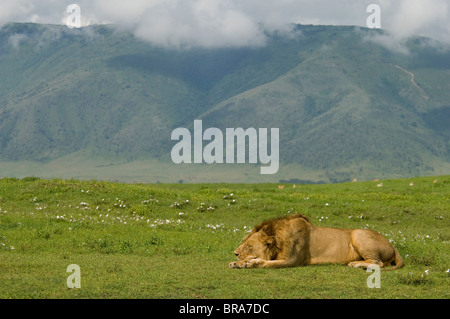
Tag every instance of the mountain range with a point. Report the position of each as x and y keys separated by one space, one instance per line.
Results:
x=98 y=102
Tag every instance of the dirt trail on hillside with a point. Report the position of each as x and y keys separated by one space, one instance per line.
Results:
x=425 y=96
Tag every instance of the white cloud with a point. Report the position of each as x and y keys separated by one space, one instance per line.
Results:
x=405 y=18
x=15 y=39
x=390 y=42
x=417 y=17
x=213 y=23
x=205 y=23
x=11 y=10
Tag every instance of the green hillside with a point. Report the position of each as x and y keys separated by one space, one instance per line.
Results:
x=99 y=103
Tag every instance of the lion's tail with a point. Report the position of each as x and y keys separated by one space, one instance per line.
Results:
x=398 y=261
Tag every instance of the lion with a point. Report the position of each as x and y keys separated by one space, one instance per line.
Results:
x=293 y=241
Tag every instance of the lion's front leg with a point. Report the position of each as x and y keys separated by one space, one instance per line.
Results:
x=248 y=263
x=261 y=263
x=255 y=263
x=279 y=263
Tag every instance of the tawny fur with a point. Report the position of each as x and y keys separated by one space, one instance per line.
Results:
x=293 y=241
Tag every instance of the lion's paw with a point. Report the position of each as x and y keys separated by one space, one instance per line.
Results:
x=249 y=263
x=238 y=264
x=232 y=264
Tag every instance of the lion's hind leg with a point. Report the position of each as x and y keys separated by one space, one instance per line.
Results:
x=365 y=263
x=372 y=248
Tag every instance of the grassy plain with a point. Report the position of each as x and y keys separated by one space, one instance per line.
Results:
x=176 y=240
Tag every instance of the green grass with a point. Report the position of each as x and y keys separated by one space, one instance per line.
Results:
x=176 y=240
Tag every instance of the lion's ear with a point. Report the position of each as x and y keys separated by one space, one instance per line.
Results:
x=270 y=241
x=268 y=236
x=268 y=230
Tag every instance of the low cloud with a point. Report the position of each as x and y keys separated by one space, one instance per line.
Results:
x=201 y=23
x=390 y=42
x=15 y=39
x=219 y=23
x=417 y=17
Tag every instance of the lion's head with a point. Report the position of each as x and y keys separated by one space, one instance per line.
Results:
x=258 y=244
